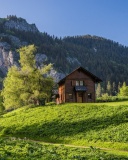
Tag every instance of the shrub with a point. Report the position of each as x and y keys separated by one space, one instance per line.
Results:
x=106 y=98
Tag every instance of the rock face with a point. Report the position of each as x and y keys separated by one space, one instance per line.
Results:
x=7 y=57
x=40 y=60
x=21 y=25
x=56 y=75
x=8 y=40
x=13 y=39
x=73 y=60
x=16 y=41
x=11 y=29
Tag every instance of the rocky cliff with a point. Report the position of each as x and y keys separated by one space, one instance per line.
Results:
x=7 y=57
x=11 y=31
x=20 y=24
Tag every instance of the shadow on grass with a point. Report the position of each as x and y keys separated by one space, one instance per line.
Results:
x=56 y=129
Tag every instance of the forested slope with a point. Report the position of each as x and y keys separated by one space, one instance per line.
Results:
x=104 y=58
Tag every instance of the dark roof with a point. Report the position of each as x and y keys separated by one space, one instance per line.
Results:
x=96 y=79
x=80 y=88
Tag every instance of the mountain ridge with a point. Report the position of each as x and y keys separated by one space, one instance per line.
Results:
x=103 y=57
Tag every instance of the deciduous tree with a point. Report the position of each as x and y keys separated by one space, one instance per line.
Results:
x=26 y=85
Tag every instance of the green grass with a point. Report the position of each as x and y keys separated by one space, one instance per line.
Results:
x=20 y=149
x=102 y=125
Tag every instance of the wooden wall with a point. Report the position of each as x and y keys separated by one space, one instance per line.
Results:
x=67 y=92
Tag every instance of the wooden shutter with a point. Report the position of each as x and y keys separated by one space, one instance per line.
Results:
x=73 y=82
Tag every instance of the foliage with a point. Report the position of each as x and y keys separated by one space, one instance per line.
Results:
x=26 y=85
x=98 y=90
x=27 y=60
x=123 y=90
x=109 y=89
x=22 y=149
x=114 y=89
x=106 y=98
x=99 y=124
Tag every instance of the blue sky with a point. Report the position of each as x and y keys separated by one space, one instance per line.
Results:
x=104 y=18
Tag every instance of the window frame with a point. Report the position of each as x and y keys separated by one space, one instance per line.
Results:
x=79 y=83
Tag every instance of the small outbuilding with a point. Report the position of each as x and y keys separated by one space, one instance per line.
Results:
x=78 y=86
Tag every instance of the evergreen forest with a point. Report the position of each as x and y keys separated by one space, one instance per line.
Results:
x=103 y=57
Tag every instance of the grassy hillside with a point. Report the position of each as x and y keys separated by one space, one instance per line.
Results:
x=20 y=149
x=101 y=125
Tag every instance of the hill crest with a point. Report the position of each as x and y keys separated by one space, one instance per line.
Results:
x=104 y=58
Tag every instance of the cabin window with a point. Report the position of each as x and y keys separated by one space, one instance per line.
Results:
x=70 y=96
x=79 y=83
x=89 y=96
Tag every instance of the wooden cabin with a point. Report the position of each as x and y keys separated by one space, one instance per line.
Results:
x=78 y=86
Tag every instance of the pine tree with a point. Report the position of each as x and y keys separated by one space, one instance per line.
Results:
x=109 y=91
x=123 y=90
x=114 y=92
x=119 y=86
x=26 y=85
x=98 y=90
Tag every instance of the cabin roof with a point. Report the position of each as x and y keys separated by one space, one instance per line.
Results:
x=95 y=78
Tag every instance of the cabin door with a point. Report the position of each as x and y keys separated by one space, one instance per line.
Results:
x=79 y=97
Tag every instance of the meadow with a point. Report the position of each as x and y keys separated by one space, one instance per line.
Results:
x=22 y=149
x=99 y=125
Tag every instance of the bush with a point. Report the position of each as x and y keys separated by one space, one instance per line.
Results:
x=106 y=98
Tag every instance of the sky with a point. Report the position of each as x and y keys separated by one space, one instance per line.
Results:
x=104 y=18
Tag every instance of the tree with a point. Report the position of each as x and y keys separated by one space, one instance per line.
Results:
x=1 y=104
x=26 y=85
x=27 y=60
x=98 y=90
x=109 y=88
x=119 y=86
x=114 y=92
x=123 y=90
